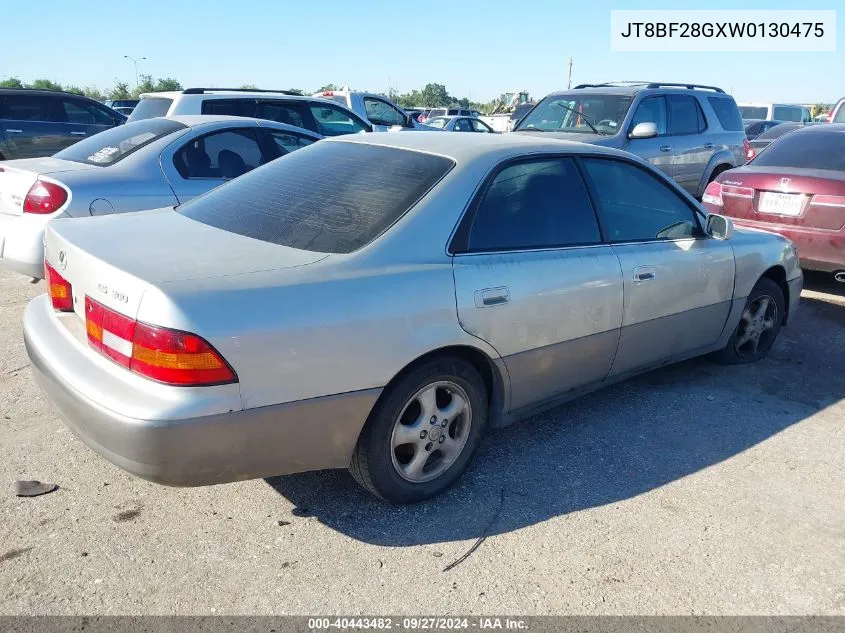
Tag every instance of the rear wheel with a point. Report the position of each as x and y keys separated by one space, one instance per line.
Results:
x=423 y=432
x=758 y=325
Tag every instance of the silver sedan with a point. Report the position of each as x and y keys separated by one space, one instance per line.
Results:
x=381 y=302
x=459 y=124
x=133 y=167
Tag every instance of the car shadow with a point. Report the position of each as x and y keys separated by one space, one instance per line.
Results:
x=823 y=282
x=606 y=447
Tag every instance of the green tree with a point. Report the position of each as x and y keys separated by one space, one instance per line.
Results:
x=45 y=84
x=434 y=96
x=249 y=87
x=74 y=90
x=93 y=92
x=327 y=87
x=167 y=83
x=145 y=84
x=11 y=82
x=120 y=91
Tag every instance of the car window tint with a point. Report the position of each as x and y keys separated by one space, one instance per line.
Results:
x=440 y=122
x=534 y=204
x=332 y=121
x=229 y=107
x=635 y=205
x=462 y=125
x=382 y=113
x=330 y=197
x=287 y=142
x=806 y=148
x=651 y=110
x=226 y=154
x=83 y=113
x=288 y=113
x=114 y=144
x=683 y=114
x=479 y=126
x=728 y=113
x=25 y=108
x=787 y=113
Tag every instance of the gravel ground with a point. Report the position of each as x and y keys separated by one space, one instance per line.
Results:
x=697 y=489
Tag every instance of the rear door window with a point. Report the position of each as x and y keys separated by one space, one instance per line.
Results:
x=728 y=113
x=221 y=155
x=332 y=197
x=79 y=112
x=150 y=107
x=684 y=116
x=290 y=113
x=25 y=108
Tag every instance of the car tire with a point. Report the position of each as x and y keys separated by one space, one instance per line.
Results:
x=758 y=325
x=410 y=449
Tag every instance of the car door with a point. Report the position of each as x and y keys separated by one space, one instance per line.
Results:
x=383 y=115
x=691 y=149
x=657 y=150
x=83 y=118
x=209 y=160
x=678 y=283
x=29 y=127
x=534 y=280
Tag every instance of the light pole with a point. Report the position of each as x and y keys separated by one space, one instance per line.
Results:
x=569 y=82
x=135 y=61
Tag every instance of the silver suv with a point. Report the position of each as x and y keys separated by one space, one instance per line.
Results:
x=690 y=132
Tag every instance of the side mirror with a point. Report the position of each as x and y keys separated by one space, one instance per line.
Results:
x=646 y=129
x=719 y=227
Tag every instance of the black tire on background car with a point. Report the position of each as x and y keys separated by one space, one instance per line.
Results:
x=758 y=326
x=423 y=432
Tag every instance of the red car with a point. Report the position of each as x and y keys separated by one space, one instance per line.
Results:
x=795 y=187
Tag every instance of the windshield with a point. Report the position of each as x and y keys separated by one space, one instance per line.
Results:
x=575 y=112
x=331 y=197
x=754 y=112
x=437 y=122
x=840 y=115
x=150 y=107
x=106 y=148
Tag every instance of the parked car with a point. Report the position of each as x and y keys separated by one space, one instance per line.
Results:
x=459 y=124
x=124 y=111
x=485 y=303
x=377 y=110
x=518 y=112
x=129 y=104
x=690 y=132
x=321 y=116
x=142 y=165
x=754 y=128
x=775 y=112
x=837 y=114
x=764 y=139
x=35 y=123
x=446 y=112
x=796 y=188
x=414 y=112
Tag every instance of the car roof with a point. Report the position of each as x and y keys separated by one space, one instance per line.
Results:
x=224 y=94
x=39 y=91
x=474 y=146
x=198 y=120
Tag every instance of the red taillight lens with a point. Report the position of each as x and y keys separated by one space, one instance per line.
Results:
x=61 y=293
x=750 y=152
x=44 y=197
x=713 y=194
x=328 y=93
x=169 y=356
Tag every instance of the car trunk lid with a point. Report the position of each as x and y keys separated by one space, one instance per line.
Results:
x=809 y=198
x=18 y=176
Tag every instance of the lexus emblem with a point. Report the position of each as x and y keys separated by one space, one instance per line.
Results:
x=783 y=184
x=62 y=260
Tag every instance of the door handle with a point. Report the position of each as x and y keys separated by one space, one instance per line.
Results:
x=8 y=129
x=492 y=297
x=78 y=133
x=643 y=273
x=708 y=146
x=665 y=148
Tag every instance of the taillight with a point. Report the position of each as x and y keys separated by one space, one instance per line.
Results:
x=61 y=293
x=750 y=152
x=44 y=197
x=713 y=194
x=328 y=93
x=162 y=354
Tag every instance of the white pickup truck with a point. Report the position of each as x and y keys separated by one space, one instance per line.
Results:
x=379 y=111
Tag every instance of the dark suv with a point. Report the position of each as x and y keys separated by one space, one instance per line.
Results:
x=35 y=123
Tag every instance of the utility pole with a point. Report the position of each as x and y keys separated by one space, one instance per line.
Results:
x=569 y=82
x=140 y=59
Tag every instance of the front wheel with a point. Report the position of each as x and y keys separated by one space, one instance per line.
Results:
x=423 y=433
x=758 y=325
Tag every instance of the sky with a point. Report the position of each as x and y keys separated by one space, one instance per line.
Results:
x=477 y=49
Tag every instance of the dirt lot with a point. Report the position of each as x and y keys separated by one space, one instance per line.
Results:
x=695 y=489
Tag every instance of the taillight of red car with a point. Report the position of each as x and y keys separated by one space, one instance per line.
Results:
x=750 y=152
x=44 y=197
x=162 y=354
x=61 y=293
x=713 y=194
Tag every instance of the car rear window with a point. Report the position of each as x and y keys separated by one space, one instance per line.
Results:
x=728 y=114
x=753 y=112
x=330 y=197
x=106 y=148
x=805 y=149
x=150 y=107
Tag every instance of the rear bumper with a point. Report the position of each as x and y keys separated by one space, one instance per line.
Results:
x=819 y=249
x=22 y=244
x=196 y=450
